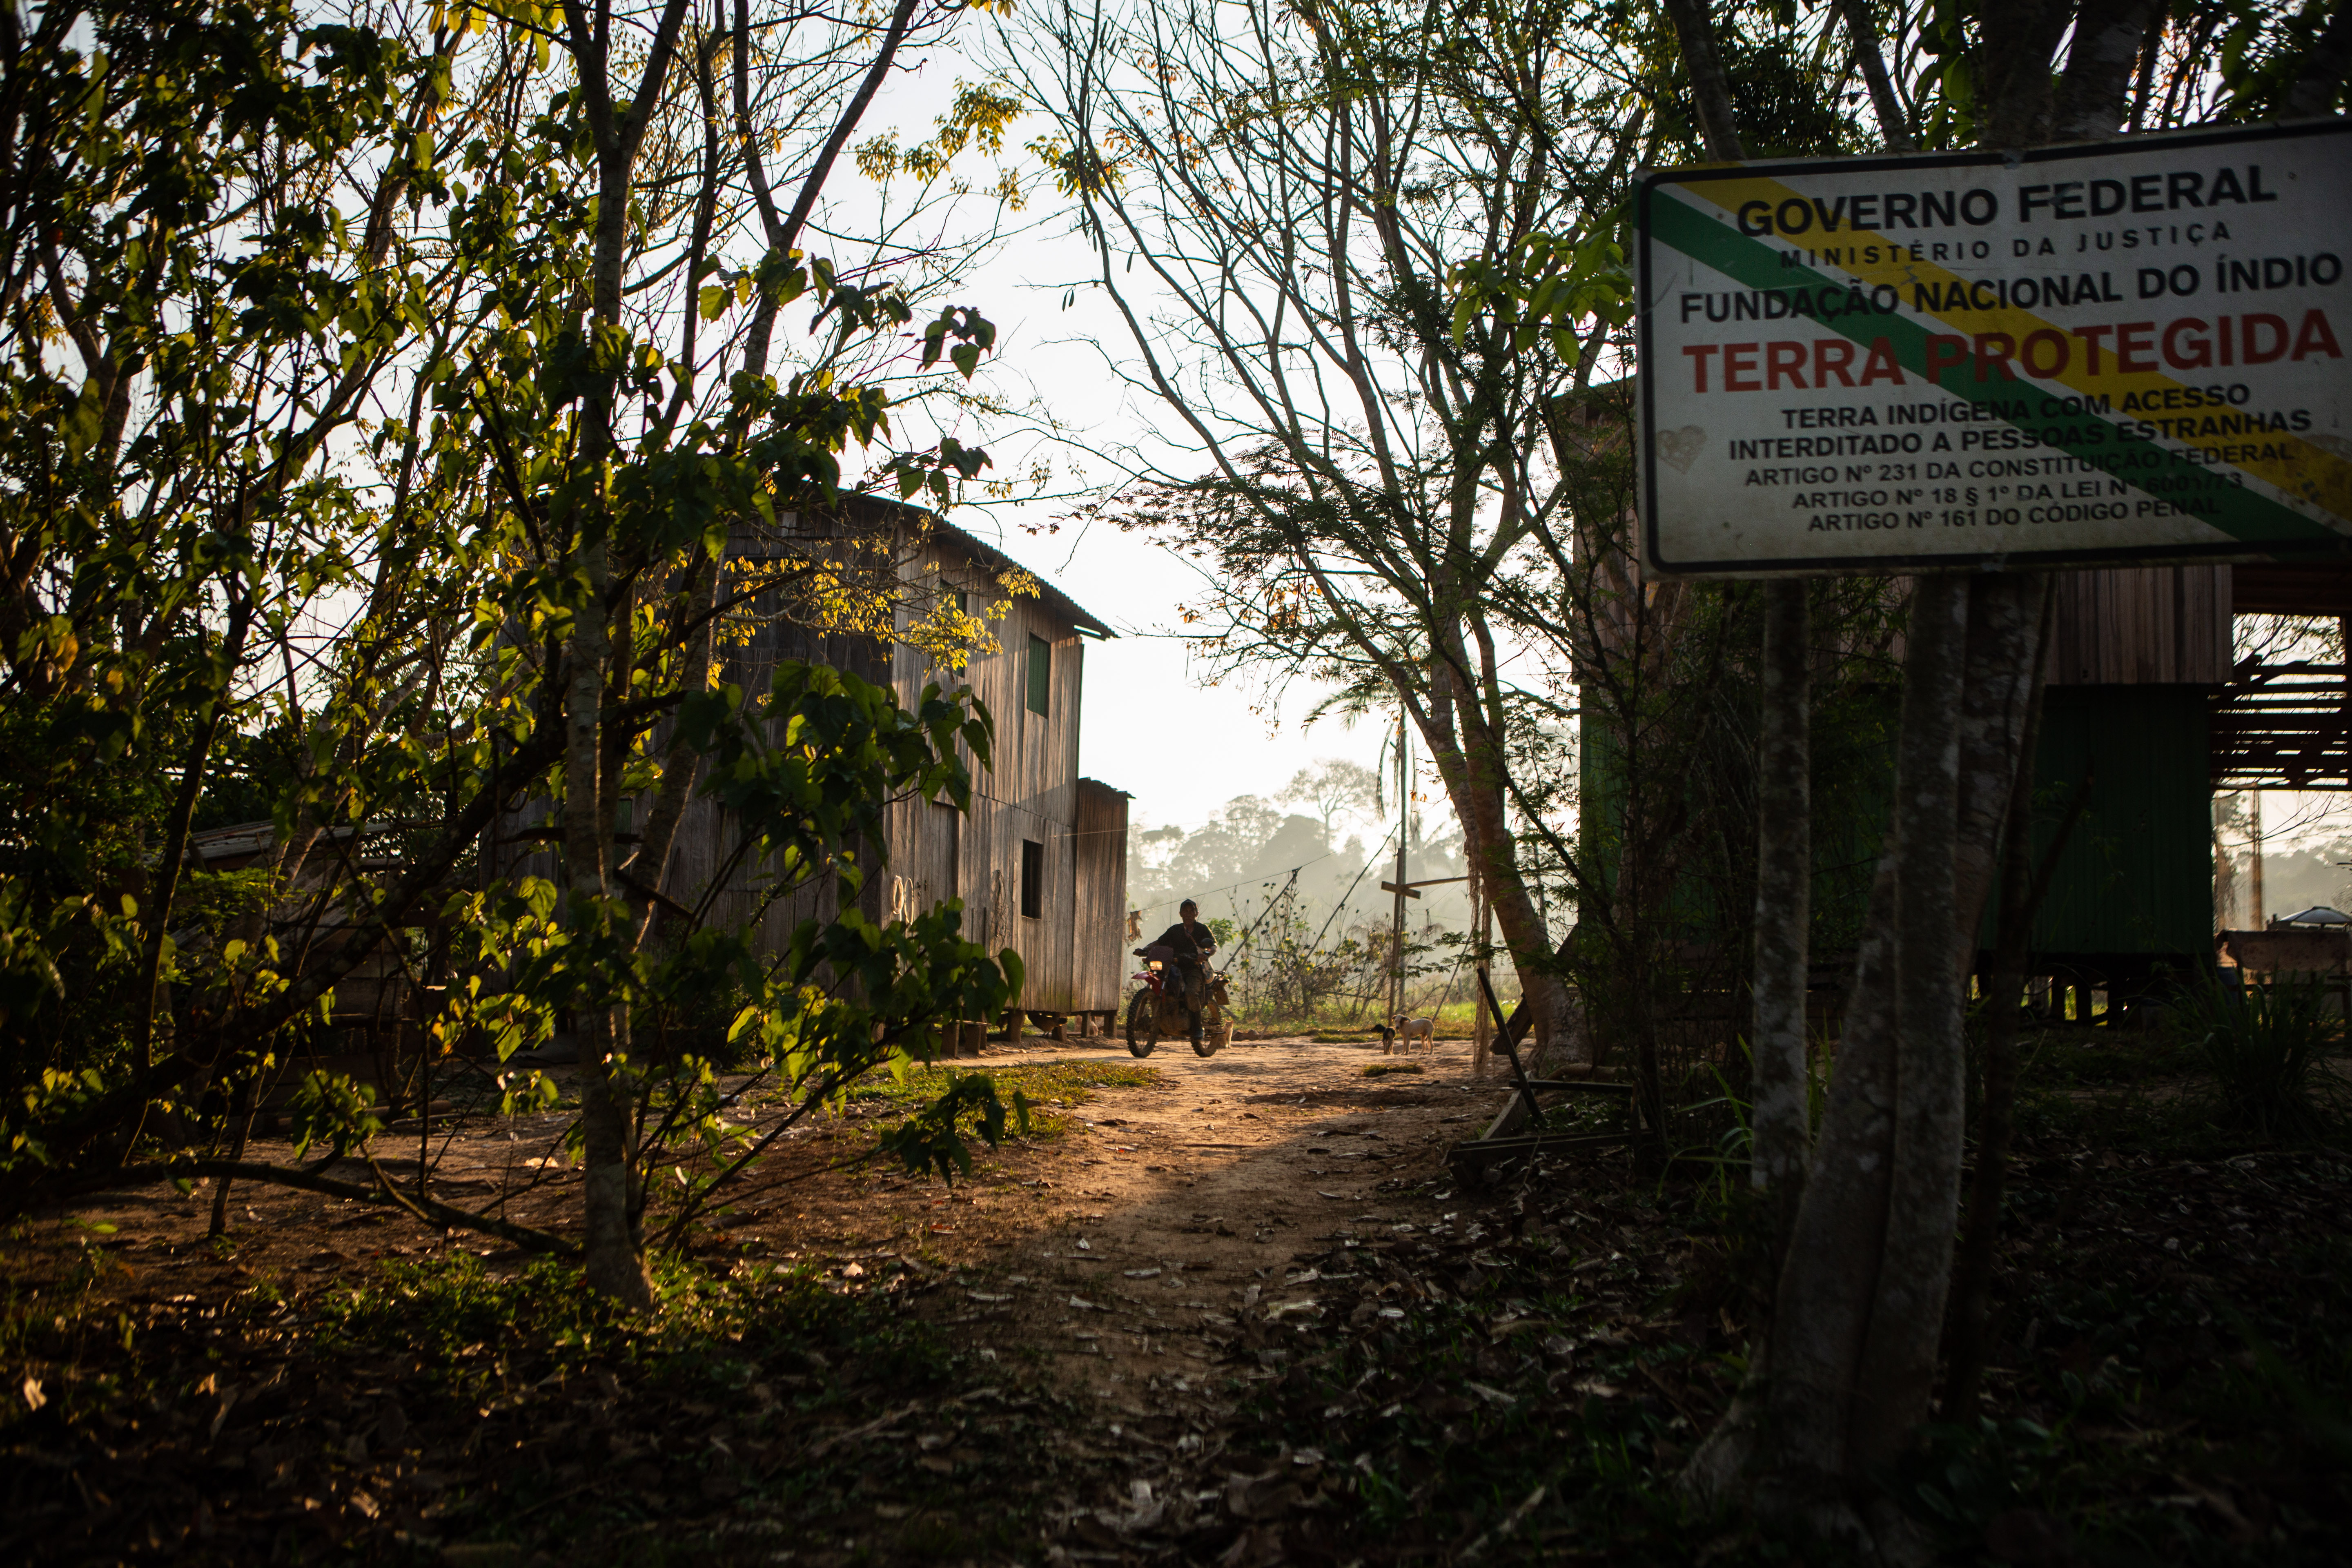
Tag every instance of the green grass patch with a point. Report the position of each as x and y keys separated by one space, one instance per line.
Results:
x=1054 y=1090
x=1062 y=1086
x=1382 y=1070
x=1455 y=1020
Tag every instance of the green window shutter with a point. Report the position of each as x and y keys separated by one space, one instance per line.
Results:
x=1041 y=654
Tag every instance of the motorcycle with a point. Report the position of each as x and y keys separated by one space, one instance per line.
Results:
x=1156 y=1010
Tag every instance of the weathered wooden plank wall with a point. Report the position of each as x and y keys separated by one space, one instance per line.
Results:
x=1100 y=896
x=705 y=862
x=1028 y=796
x=2142 y=626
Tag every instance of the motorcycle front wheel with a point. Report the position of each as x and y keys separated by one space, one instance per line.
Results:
x=1214 y=1032
x=1142 y=1024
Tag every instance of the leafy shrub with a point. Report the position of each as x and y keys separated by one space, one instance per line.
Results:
x=2263 y=1047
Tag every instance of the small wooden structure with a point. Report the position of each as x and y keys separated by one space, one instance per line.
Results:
x=373 y=1030
x=2318 y=955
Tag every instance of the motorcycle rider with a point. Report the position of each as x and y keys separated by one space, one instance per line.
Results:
x=1192 y=942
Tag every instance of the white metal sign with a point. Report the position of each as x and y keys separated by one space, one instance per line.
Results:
x=2127 y=350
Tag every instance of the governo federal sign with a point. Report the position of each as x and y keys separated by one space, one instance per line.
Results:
x=2131 y=350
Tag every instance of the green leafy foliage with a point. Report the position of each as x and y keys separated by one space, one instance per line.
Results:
x=932 y=1139
x=332 y=1109
x=330 y=475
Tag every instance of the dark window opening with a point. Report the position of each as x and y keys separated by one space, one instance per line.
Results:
x=1041 y=654
x=1033 y=879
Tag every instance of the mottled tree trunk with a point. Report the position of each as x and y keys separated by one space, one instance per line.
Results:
x=2005 y=628
x=2095 y=92
x=2021 y=895
x=614 y=1247
x=1896 y=1373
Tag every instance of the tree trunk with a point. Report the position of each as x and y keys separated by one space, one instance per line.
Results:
x=1861 y=1300
x=1473 y=775
x=2020 y=896
x=614 y=1252
x=1553 y=1013
x=1893 y=127
x=2014 y=82
x=2095 y=92
x=2009 y=642
x=614 y=1263
x=2005 y=630
x=1897 y=1371
x=1710 y=88
x=1779 y=1117
x=1823 y=1317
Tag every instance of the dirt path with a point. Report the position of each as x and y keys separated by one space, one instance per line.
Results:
x=1158 y=1204
x=1181 y=1201
x=1121 y=1270
x=1219 y=1295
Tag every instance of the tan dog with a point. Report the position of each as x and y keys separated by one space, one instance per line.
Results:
x=1410 y=1029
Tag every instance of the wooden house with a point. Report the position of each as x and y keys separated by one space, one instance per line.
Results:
x=1040 y=860
x=2136 y=656
x=2147 y=699
x=372 y=1031
x=2145 y=716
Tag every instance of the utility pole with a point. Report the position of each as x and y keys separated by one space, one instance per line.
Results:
x=1482 y=934
x=2259 y=916
x=1404 y=828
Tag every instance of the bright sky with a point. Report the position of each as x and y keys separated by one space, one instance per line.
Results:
x=1149 y=724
